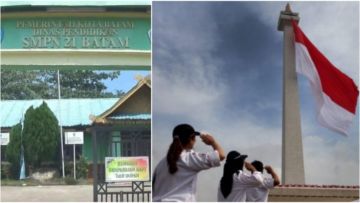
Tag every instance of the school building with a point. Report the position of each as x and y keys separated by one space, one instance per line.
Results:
x=91 y=35
x=125 y=121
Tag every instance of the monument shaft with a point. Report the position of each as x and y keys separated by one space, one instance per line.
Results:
x=292 y=149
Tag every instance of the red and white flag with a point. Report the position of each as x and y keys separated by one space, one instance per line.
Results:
x=336 y=94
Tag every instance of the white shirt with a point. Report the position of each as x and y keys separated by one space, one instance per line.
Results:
x=181 y=186
x=241 y=182
x=261 y=193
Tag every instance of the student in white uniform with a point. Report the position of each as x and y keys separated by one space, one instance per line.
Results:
x=235 y=181
x=261 y=193
x=175 y=176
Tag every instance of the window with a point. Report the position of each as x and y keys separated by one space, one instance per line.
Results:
x=135 y=143
x=115 y=144
x=126 y=148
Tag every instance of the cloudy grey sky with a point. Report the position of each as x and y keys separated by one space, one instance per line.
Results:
x=218 y=66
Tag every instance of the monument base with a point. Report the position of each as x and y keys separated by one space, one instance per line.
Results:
x=314 y=193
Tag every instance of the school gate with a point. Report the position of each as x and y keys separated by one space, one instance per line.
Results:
x=66 y=36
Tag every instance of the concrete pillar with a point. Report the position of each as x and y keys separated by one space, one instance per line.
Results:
x=292 y=150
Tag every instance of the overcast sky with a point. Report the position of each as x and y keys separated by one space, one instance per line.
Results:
x=218 y=66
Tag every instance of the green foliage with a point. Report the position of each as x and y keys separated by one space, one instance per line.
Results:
x=86 y=84
x=70 y=180
x=40 y=135
x=69 y=168
x=81 y=168
x=13 y=150
x=5 y=170
x=42 y=84
x=21 y=85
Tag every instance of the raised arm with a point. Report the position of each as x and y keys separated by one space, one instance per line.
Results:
x=249 y=167
x=209 y=140
x=255 y=179
x=271 y=171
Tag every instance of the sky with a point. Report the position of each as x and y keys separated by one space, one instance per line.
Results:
x=218 y=67
x=125 y=81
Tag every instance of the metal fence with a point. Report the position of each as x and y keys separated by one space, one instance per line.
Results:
x=124 y=192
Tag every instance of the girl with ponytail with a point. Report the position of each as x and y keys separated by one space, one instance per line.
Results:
x=175 y=176
x=234 y=182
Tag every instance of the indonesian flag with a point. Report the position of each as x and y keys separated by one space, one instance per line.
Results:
x=335 y=93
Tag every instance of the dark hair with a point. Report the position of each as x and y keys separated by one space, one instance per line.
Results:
x=182 y=134
x=258 y=165
x=234 y=163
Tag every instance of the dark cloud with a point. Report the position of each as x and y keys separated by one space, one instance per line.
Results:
x=248 y=49
x=251 y=55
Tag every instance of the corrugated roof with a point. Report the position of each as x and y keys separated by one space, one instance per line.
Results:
x=73 y=111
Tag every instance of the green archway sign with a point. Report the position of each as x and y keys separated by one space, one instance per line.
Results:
x=81 y=40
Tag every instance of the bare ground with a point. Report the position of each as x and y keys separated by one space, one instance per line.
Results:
x=64 y=193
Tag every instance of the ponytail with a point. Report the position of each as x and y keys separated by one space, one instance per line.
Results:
x=182 y=135
x=234 y=163
x=226 y=181
x=173 y=154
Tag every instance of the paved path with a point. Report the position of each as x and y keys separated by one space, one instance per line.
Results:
x=77 y=193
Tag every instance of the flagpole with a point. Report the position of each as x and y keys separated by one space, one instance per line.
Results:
x=61 y=130
x=22 y=160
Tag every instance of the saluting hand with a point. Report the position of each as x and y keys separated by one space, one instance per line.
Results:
x=268 y=169
x=249 y=166
x=207 y=139
x=271 y=171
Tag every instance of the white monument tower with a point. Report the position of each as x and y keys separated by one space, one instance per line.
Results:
x=292 y=150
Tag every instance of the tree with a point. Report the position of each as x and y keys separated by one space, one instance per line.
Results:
x=83 y=83
x=40 y=135
x=13 y=149
x=42 y=84
x=21 y=85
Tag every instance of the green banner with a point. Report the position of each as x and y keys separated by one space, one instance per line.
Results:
x=119 y=169
x=76 y=33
